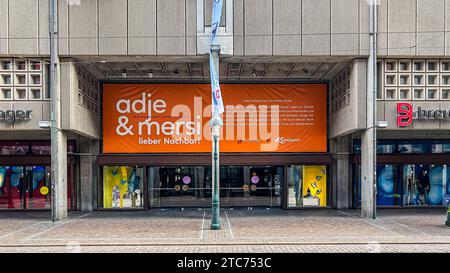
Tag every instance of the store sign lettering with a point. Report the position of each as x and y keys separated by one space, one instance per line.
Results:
x=15 y=115
x=406 y=114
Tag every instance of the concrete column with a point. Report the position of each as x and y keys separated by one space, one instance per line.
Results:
x=88 y=174
x=342 y=185
x=58 y=137
x=367 y=174
x=368 y=140
x=59 y=175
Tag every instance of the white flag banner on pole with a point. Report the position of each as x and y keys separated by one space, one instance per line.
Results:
x=215 y=86
x=215 y=19
x=218 y=107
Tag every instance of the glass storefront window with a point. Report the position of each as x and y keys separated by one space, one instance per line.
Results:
x=11 y=187
x=406 y=146
x=264 y=186
x=13 y=149
x=186 y=186
x=388 y=188
x=386 y=148
x=424 y=184
x=420 y=185
x=123 y=187
x=28 y=187
x=446 y=148
x=307 y=186
x=37 y=186
x=178 y=187
x=413 y=148
x=39 y=147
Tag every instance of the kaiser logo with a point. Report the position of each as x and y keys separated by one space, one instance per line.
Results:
x=283 y=140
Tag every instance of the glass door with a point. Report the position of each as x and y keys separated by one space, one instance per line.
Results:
x=265 y=186
x=248 y=186
x=37 y=187
x=232 y=186
x=181 y=186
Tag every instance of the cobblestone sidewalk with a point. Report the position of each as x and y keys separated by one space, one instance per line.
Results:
x=257 y=230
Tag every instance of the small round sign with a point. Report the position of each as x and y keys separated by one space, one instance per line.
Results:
x=44 y=190
x=255 y=179
x=186 y=180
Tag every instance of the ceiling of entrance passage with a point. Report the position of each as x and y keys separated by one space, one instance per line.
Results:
x=230 y=69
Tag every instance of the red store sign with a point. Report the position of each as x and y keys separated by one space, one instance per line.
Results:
x=406 y=114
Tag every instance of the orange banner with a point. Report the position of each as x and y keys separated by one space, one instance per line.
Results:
x=160 y=118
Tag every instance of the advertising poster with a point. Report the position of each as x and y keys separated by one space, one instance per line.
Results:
x=314 y=186
x=159 y=118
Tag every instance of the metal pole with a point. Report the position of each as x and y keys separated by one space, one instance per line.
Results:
x=58 y=153
x=373 y=54
x=216 y=124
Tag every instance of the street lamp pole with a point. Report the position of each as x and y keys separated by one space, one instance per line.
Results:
x=373 y=62
x=216 y=124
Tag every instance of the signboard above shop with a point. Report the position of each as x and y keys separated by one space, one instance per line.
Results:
x=406 y=114
x=15 y=115
x=160 y=118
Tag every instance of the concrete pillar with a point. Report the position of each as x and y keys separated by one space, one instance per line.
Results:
x=341 y=147
x=58 y=136
x=59 y=175
x=88 y=174
x=368 y=187
x=368 y=140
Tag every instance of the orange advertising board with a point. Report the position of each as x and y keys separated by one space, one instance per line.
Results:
x=164 y=118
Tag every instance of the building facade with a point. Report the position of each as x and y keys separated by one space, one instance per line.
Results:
x=304 y=60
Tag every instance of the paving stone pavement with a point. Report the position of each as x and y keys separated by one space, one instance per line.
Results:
x=257 y=230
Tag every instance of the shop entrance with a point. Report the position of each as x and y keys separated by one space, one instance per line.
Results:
x=24 y=187
x=129 y=182
x=185 y=186
x=25 y=175
x=250 y=186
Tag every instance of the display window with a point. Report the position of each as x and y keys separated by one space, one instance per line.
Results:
x=407 y=146
x=409 y=185
x=409 y=178
x=123 y=187
x=28 y=187
x=424 y=184
x=307 y=186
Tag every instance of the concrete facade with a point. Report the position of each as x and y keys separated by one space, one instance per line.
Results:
x=277 y=27
x=300 y=40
